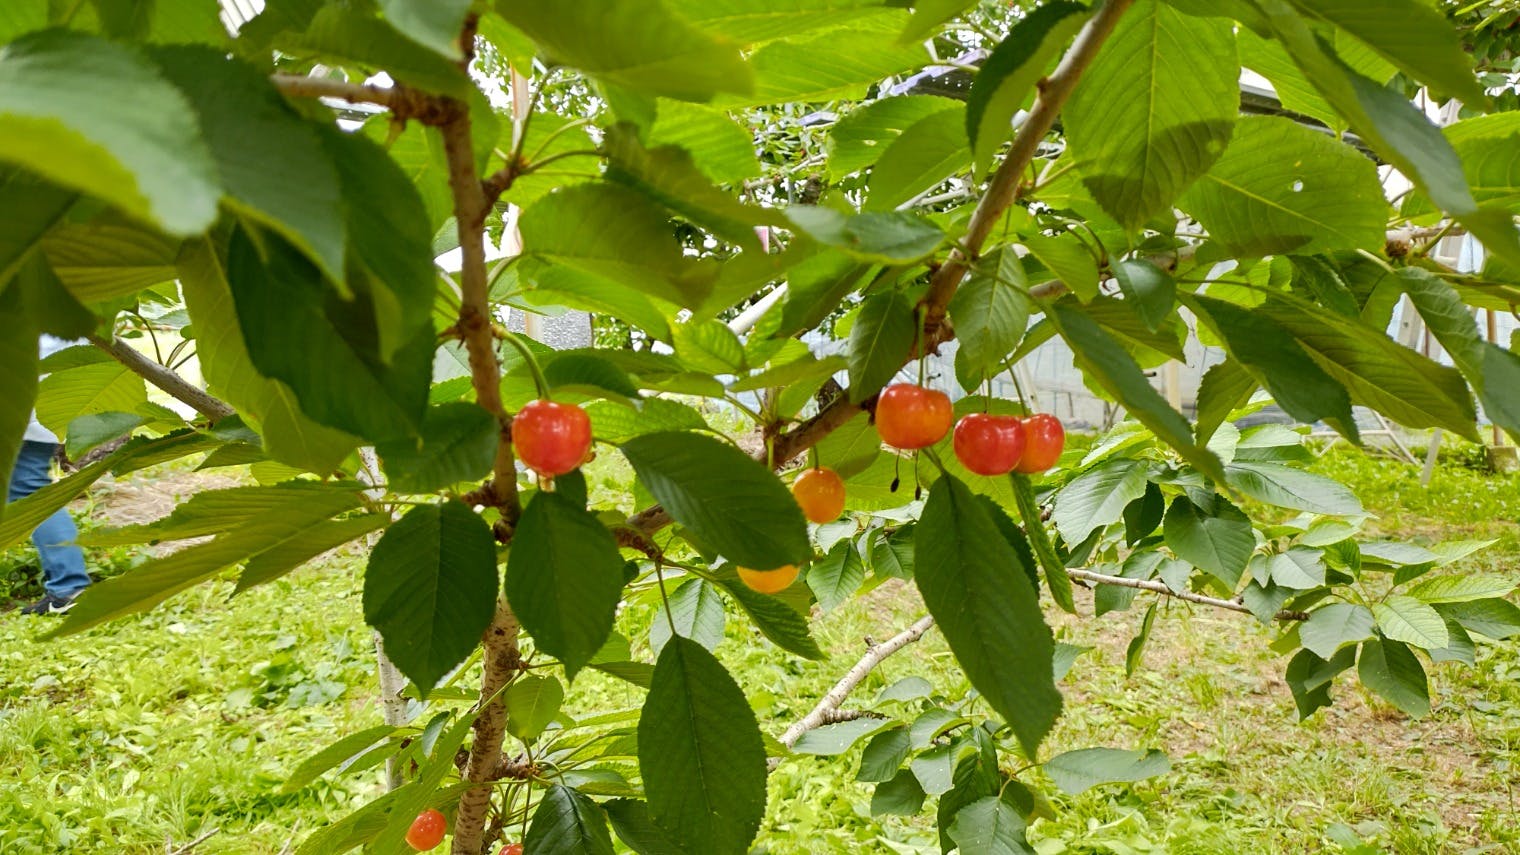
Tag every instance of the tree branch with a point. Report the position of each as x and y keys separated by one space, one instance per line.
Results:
x=1001 y=193
x=164 y=378
x=1004 y=187
x=301 y=86
x=827 y=709
x=1162 y=589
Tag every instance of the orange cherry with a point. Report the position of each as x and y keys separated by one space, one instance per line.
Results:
x=911 y=417
x=820 y=492
x=769 y=581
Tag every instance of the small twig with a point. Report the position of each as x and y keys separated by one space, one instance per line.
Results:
x=169 y=848
x=207 y=405
x=301 y=86
x=1161 y=588
x=827 y=709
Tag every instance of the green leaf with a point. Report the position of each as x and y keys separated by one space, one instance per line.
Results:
x=777 y=621
x=708 y=346
x=669 y=175
x=532 y=703
x=730 y=502
x=901 y=796
x=1098 y=497
x=896 y=237
x=971 y=581
x=836 y=577
x=568 y=823
x=1493 y=371
x=1155 y=109
x=697 y=612
x=1282 y=187
x=989 y=826
x=430 y=589
x=458 y=443
x=1288 y=487
x=1486 y=146
x=1407 y=619
x=433 y=23
x=617 y=424
x=1393 y=126
x=700 y=753
x=107 y=387
x=630 y=819
x=640 y=45
x=1265 y=353
x=1039 y=544
x=1218 y=540
x=1495 y=618
x=884 y=755
x=831 y=740
x=88 y=432
x=304 y=506
x=270 y=161
x=610 y=247
x=1150 y=288
x=1007 y=76
x=839 y=64
x=389 y=240
x=289 y=436
x=32 y=207
x=927 y=153
x=852 y=448
x=18 y=378
x=1103 y=360
x=62 y=116
x=109 y=257
x=339 y=752
x=564 y=579
x=991 y=312
x=1332 y=627
x=1378 y=371
x=880 y=342
x=348 y=37
x=1309 y=678
x=720 y=148
x=1412 y=35
x=859 y=138
x=327 y=353
x=1390 y=669
x=815 y=288
x=752 y=21
x=273 y=563
x=1078 y=771
x=1462 y=589
x=1069 y=259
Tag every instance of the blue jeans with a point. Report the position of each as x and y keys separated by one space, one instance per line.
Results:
x=63 y=573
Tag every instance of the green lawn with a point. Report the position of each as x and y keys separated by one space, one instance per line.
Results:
x=165 y=726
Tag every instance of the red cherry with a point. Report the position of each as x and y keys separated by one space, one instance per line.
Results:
x=820 y=492
x=910 y=417
x=511 y=849
x=988 y=444
x=427 y=831
x=551 y=438
x=1044 y=438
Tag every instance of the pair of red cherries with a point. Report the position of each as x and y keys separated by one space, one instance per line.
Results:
x=911 y=417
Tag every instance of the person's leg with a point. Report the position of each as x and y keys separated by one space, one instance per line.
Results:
x=63 y=572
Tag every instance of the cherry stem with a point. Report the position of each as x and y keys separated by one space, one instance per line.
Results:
x=541 y=384
x=659 y=572
x=1018 y=390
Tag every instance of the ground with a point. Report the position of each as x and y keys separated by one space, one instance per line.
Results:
x=164 y=727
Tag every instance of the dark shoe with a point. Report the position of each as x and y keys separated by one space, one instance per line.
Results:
x=51 y=605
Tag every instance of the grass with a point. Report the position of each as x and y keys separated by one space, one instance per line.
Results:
x=165 y=726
